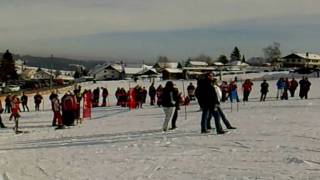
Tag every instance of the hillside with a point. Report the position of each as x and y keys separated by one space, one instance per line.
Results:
x=56 y=62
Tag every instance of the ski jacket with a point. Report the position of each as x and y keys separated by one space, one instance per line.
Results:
x=169 y=97
x=206 y=95
x=55 y=104
x=247 y=86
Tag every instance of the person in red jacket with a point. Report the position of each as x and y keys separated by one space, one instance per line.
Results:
x=224 y=90
x=57 y=118
x=293 y=86
x=246 y=88
x=15 y=113
x=69 y=107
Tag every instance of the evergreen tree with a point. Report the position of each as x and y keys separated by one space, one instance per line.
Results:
x=223 y=59
x=235 y=55
x=243 y=59
x=7 y=67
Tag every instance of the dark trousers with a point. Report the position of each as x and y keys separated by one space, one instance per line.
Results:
x=68 y=118
x=1 y=123
x=292 y=91
x=223 y=117
x=104 y=101
x=246 y=95
x=303 y=93
x=7 y=109
x=224 y=96
x=152 y=100
x=37 y=107
x=174 y=119
x=285 y=95
x=25 y=106
x=263 y=96
x=206 y=113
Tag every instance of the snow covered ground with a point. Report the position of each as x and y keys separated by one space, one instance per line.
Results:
x=274 y=140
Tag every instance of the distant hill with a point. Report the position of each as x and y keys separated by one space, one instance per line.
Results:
x=56 y=62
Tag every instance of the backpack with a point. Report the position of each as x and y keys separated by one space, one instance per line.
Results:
x=68 y=103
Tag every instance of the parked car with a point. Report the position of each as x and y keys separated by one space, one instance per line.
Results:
x=11 y=88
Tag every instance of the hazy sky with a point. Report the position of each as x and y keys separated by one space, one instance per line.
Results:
x=144 y=29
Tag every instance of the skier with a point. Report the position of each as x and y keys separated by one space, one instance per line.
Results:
x=293 y=86
x=8 y=103
x=37 y=101
x=69 y=107
x=233 y=92
x=191 y=89
x=304 y=87
x=280 y=87
x=105 y=94
x=224 y=89
x=221 y=113
x=144 y=93
x=169 y=99
x=285 y=89
x=208 y=101
x=152 y=94
x=57 y=118
x=177 y=108
x=159 y=94
x=246 y=87
x=96 y=96
x=15 y=113
x=117 y=94
x=264 y=90
x=24 y=102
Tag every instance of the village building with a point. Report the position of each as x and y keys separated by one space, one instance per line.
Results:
x=196 y=64
x=118 y=71
x=301 y=60
x=169 y=73
x=160 y=66
x=236 y=66
x=43 y=75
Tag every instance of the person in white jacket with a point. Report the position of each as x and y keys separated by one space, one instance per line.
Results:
x=222 y=115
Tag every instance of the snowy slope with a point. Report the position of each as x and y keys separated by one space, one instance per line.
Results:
x=274 y=140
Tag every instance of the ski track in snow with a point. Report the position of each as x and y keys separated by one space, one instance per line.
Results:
x=274 y=140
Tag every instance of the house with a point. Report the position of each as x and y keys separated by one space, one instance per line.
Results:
x=196 y=64
x=196 y=72
x=116 y=72
x=237 y=65
x=64 y=79
x=302 y=60
x=43 y=75
x=28 y=74
x=109 y=72
x=169 y=73
x=159 y=66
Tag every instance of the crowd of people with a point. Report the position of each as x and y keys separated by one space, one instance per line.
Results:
x=208 y=93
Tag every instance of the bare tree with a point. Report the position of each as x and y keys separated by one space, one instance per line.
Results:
x=163 y=59
x=272 y=53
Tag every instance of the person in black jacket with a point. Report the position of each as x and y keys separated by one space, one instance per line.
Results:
x=152 y=94
x=37 y=101
x=169 y=99
x=208 y=101
x=24 y=102
x=264 y=90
